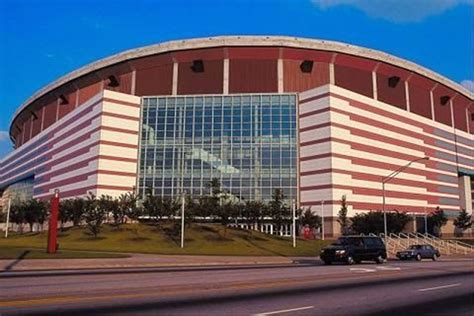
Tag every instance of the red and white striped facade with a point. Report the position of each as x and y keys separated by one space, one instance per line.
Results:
x=92 y=149
x=349 y=142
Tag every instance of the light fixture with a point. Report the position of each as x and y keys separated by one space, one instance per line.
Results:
x=197 y=66
x=444 y=99
x=113 y=81
x=63 y=100
x=393 y=81
x=306 y=66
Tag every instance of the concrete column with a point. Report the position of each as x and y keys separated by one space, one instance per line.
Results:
x=225 y=82
x=374 y=85
x=432 y=102
x=407 y=96
x=175 y=78
x=42 y=118
x=134 y=82
x=465 y=193
x=280 y=75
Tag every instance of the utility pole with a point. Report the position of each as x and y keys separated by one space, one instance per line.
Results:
x=426 y=222
x=293 y=206
x=182 y=219
x=322 y=219
x=387 y=179
x=8 y=218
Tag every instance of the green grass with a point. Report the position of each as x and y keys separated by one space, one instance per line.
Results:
x=34 y=253
x=200 y=239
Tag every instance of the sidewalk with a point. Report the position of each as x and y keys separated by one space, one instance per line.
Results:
x=137 y=261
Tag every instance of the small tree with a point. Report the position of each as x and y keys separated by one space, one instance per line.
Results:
x=17 y=214
x=157 y=208
x=78 y=206
x=308 y=218
x=35 y=212
x=128 y=204
x=254 y=212
x=65 y=212
x=278 y=211
x=372 y=222
x=95 y=213
x=227 y=212
x=342 y=219
x=438 y=219
x=462 y=222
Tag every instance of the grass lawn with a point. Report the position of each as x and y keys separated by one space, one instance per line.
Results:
x=200 y=239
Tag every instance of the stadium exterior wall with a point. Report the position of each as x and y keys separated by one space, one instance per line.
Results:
x=361 y=114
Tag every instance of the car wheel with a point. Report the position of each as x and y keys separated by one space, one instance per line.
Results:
x=435 y=257
x=327 y=262
x=350 y=260
x=357 y=261
x=418 y=257
x=379 y=259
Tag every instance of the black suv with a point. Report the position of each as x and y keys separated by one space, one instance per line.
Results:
x=354 y=249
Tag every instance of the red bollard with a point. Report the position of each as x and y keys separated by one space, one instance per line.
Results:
x=53 y=223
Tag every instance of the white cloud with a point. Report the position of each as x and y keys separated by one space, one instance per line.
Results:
x=396 y=10
x=468 y=84
x=4 y=136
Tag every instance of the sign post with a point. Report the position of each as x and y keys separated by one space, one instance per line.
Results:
x=53 y=223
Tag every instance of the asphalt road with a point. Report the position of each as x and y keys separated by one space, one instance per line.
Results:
x=394 y=288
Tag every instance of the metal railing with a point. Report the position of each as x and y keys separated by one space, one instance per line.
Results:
x=401 y=241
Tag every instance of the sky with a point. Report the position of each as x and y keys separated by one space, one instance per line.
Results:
x=41 y=40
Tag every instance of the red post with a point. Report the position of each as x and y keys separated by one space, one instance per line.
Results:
x=53 y=223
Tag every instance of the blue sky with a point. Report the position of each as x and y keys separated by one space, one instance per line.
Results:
x=40 y=40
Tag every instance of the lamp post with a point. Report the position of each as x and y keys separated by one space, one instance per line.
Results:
x=293 y=207
x=387 y=179
x=322 y=219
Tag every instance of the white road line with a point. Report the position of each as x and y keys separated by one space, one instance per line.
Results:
x=388 y=268
x=285 y=311
x=362 y=270
x=439 y=287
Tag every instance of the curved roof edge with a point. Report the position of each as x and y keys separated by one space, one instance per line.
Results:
x=244 y=40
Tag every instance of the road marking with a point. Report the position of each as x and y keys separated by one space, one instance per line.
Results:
x=285 y=311
x=388 y=268
x=362 y=270
x=439 y=287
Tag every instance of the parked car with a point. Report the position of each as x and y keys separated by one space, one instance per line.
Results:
x=419 y=252
x=354 y=249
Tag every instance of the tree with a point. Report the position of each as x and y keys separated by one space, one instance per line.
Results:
x=157 y=208
x=77 y=210
x=438 y=219
x=342 y=219
x=94 y=213
x=254 y=212
x=65 y=212
x=17 y=214
x=372 y=222
x=310 y=219
x=278 y=211
x=128 y=204
x=35 y=212
x=462 y=222
x=227 y=212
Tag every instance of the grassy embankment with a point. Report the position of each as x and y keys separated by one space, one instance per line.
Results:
x=200 y=239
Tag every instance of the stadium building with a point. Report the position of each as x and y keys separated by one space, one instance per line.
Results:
x=317 y=119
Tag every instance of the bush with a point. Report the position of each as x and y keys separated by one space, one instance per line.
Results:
x=372 y=222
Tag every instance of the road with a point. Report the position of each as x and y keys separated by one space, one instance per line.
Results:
x=307 y=288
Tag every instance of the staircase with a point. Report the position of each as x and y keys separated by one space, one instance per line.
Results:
x=398 y=242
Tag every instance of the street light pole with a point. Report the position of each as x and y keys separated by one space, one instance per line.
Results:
x=294 y=224
x=387 y=179
x=182 y=219
x=322 y=219
x=426 y=222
